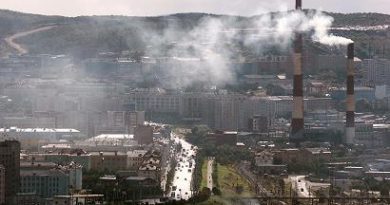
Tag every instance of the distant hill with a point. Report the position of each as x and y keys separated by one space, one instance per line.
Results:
x=85 y=36
x=12 y=22
x=361 y=19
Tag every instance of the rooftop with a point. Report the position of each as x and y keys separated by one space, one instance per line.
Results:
x=113 y=136
x=319 y=150
x=136 y=178
x=60 y=146
x=108 y=178
x=112 y=139
x=79 y=196
x=44 y=130
x=136 y=153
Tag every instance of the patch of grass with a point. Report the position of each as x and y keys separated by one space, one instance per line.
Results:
x=229 y=182
x=203 y=183
x=214 y=200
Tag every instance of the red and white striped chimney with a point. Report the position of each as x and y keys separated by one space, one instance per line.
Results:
x=350 y=105
x=298 y=5
x=297 y=123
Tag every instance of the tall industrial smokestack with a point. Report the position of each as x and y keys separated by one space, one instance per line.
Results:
x=297 y=124
x=350 y=114
x=298 y=4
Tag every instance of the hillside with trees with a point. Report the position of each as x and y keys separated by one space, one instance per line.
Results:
x=85 y=36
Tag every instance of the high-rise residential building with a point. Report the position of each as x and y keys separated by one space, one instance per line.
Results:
x=122 y=121
x=376 y=71
x=10 y=159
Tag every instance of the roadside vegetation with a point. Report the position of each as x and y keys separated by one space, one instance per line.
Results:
x=228 y=184
x=204 y=174
x=231 y=183
x=223 y=154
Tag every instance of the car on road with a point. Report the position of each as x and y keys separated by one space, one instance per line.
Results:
x=302 y=190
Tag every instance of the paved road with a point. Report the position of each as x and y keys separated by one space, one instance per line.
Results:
x=182 y=182
x=300 y=185
x=167 y=155
x=210 y=163
x=10 y=39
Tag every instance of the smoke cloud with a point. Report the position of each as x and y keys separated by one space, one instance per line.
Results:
x=321 y=24
x=206 y=52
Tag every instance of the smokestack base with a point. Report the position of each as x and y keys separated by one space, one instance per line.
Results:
x=350 y=135
x=350 y=51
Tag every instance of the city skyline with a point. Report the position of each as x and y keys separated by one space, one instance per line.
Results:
x=163 y=7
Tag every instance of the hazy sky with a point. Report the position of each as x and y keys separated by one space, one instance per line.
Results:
x=157 y=7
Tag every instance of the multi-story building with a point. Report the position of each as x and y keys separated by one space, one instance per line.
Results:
x=264 y=64
x=302 y=156
x=108 y=161
x=82 y=199
x=313 y=104
x=10 y=159
x=316 y=88
x=44 y=183
x=72 y=171
x=372 y=135
x=156 y=100
x=83 y=159
x=331 y=62
x=121 y=121
x=376 y=71
x=135 y=159
x=143 y=134
x=2 y=184
x=226 y=111
x=222 y=110
x=272 y=107
x=366 y=93
x=258 y=124
x=222 y=138
x=151 y=166
x=325 y=120
x=264 y=163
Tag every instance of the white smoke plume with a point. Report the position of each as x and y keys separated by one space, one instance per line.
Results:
x=281 y=28
x=321 y=25
x=206 y=52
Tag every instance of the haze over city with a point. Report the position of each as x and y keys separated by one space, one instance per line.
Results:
x=200 y=102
